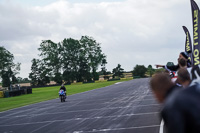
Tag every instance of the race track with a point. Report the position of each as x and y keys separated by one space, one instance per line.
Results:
x=126 y=107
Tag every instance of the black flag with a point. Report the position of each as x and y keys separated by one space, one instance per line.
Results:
x=196 y=32
x=188 y=45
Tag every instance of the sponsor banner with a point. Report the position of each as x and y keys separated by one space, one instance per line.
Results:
x=188 y=45
x=196 y=32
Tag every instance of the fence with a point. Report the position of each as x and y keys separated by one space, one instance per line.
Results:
x=15 y=92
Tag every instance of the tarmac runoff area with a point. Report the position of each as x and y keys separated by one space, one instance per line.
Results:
x=125 y=107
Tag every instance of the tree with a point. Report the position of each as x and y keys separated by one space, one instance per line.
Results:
x=84 y=71
x=6 y=82
x=34 y=75
x=92 y=52
x=51 y=58
x=14 y=79
x=20 y=79
x=26 y=80
x=139 y=70
x=104 y=70
x=71 y=58
x=118 y=71
x=39 y=73
x=150 y=70
x=8 y=69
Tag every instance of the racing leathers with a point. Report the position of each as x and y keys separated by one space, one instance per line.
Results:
x=63 y=88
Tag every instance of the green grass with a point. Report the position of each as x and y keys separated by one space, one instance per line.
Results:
x=48 y=93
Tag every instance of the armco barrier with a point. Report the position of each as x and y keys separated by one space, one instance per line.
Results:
x=6 y=94
x=113 y=79
x=136 y=77
x=16 y=93
x=21 y=91
x=1 y=94
x=29 y=91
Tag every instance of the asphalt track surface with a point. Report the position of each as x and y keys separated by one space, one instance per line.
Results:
x=125 y=107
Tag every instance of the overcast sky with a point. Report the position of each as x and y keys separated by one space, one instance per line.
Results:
x=130 y=31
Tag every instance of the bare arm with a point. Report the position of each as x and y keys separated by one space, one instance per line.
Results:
x=159 y=66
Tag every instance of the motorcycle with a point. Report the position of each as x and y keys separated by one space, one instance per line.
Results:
x=62 y=95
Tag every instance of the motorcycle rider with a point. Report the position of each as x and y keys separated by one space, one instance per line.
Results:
x=63 y=88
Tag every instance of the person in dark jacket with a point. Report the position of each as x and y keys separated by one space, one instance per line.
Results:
x=181 y=107
x=182 y=55
x=63 y=88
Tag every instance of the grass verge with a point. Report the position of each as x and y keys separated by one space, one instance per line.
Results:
x=48 y=93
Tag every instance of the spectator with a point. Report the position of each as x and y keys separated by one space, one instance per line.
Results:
x=182 y=55
x=182 y=64
x=183 y=77
x=160 y=84
x=181 y=108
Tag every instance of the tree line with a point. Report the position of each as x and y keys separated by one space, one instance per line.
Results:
x=69 y=60
x=66 y=61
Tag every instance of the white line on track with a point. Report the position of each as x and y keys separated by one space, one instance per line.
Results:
x=115 y=100
x=24 y=110
x=107 y=108
x=115 y=129
x=46 y=103
x=41 y=127
x=111 y=102
x=99 y=117
x=118 y=83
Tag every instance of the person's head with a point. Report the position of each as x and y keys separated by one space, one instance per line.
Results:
x=183 y=77
x=182 y=63
x=183 y=55
x=62 y=85
x=160 y=83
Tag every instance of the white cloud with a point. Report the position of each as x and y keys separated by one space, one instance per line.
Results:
x=130 y=32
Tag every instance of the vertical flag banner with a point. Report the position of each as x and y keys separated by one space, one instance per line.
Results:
x=196 y=32
x=188 y=45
